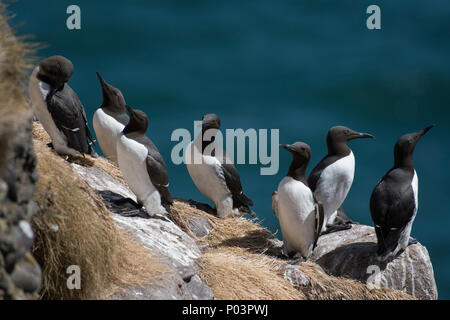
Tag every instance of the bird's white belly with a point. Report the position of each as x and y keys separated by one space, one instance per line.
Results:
x=333 y=186
x=38 y=93
x=132 y=157
x=404 y=237
x=107 y=129
x=296 y=214
x=209 y=179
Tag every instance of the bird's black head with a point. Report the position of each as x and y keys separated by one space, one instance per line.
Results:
x=338 y=137
x=404 y=148
x=301 y=154
x=299 y=150
x=138 y=122
x=56 y=71
x=210 y=121
x=113 y=99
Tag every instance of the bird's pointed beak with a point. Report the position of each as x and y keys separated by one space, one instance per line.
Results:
x=286 y=146
x=360 y=135
x=422 y=132
x=100 y=78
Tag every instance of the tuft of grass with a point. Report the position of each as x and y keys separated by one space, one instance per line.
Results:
x=40 y=134
x=73 y=227
x=234 y=276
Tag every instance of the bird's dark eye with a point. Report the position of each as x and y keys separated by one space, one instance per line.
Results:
x=345 y=131
x=303 y=149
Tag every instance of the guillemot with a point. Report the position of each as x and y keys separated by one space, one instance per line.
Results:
x=142 y=165
x=110 y=119
x=332 y=178
x=300 y=215
x=394 y=201
x=58 y=107
x=214 y=175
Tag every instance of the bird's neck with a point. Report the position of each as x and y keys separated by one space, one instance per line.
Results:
x=404 y=162
x=297 y=170
x=338 y=149
x=112 y=109
x=205 y=143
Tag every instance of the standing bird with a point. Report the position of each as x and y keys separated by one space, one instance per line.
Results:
x=300 y=216
x=394 y=201
x=58 y=107
x=143 y=166
x=110 y=119
x=332 y=178
x=214 y=174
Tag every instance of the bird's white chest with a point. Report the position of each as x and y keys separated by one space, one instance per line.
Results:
x=335 y=182
x=206 y=173
x=107 y=129
x=132 y=158
x=296 y=214
x=415 y=187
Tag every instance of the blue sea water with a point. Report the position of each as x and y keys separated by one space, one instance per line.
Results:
x=297 y=66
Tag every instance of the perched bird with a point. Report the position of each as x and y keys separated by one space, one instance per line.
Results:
x=300 y=215
x=110 y=119
x=332 y=178
x=394 y=201
x=214 y=174
x=143 y=166
x=58 y=107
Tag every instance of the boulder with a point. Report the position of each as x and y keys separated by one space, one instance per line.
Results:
x=159 y=235
x=352 y=254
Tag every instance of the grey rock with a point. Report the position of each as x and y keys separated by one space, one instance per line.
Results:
x=173 y=288
x=200 y=226
x=187 y=272
x=296 y=277
x=199 y=290
x=27 y=274
x=352 y=253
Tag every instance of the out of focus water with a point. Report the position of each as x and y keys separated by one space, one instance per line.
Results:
x=300 y=66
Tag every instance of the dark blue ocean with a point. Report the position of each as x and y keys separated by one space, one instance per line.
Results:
x=297 y=66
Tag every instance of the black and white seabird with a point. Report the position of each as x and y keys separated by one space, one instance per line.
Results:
x=394 y=201
x=110 y=119
x=214 y=174
x=58 y=107
x=143 y=166
x=332 y=178
x=300 y=216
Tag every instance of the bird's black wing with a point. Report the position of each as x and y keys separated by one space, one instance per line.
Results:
x=392 y=206
x=320 y=217
x=156 y=169
x=233 y=182
x=318 y=169
x=68 y=114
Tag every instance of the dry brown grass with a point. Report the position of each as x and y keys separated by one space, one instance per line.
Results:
x=14 y=111
x=40 y=134
x=236 y=266
x=86 y=236
x=234 y=276
x=326 y=287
